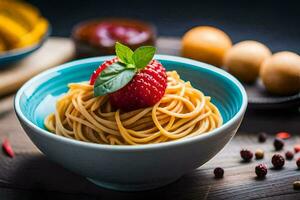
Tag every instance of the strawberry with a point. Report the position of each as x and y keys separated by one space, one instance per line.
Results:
x=133 y=80
x=145 y=89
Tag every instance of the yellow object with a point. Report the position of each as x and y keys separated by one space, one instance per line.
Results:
x=20 y=24
x=33 y=36
x=244 y=59
x=22 y=12
x=182 y=112
x=2 y=45
x=281 y=73
x=207 y=44
x=10 y=30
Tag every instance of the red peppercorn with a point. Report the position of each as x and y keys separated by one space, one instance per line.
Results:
x=283 y=135
x=278 y=144
x=261 y=170
x=7 y=148
x=278 y=161
x=297 y=148
x=298 y=163
x=289 y=155
x=262 y=137
x=219 y=172
x=246 y=155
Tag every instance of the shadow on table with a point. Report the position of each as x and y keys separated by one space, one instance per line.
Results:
x=35 y=176
x=271 y=121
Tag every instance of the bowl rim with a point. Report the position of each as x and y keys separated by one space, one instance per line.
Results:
x=184 y=141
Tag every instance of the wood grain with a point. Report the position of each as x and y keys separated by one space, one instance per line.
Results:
x=55 y=51
x=30 y=175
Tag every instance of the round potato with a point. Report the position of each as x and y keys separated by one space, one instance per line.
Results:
x=281 y=73
x=207 y=44
x=244 y=59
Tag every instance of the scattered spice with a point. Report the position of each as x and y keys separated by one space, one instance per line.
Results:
x=296 y=185
x=246 y=155
x=7 y=148
x=277 y=161
x=289 y=155
x=298 y=163
x=259 y=154
x=261 y=170
x=262 y=137
x=283 y=135
x=297 y=148
x=278 y=144
x=219 y=172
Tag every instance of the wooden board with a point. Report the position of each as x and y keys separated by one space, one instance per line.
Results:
x=55 y=51
x=30 y=175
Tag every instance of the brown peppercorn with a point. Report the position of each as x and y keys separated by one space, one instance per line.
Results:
x=277 y=161
x=298 y=163
x=289 y=155
x=278 y=144
x=259 y=154
x=296 y=185
x=219 y=172
x=246 y=155
x=261 y=170
x=262 y=137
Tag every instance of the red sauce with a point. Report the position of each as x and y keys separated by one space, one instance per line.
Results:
x=105 y=33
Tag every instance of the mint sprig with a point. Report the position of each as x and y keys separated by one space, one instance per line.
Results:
x=124 y=53
x=138 y=59
x=142 y=56
x=119 y=74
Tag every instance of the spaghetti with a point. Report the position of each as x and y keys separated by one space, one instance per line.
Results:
x=182 y=112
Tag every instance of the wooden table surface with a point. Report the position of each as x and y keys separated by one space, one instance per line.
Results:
x=30 y=175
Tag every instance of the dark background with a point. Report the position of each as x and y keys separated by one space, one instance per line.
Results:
x=275 y=23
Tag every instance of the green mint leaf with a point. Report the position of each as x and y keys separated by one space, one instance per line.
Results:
x=112 y=79
x=143 y=55
x=124 y=53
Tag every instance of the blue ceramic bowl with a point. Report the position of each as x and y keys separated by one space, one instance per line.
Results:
x=15 y=55
x=130 y=168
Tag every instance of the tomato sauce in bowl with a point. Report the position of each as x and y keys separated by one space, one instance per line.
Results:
x=98 y=37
